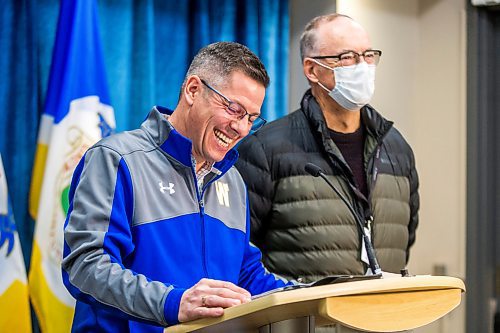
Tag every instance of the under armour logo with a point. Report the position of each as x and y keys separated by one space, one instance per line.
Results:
x=222 y=190
x=170 y=188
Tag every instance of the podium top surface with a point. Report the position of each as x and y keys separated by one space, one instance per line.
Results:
x=304 y=301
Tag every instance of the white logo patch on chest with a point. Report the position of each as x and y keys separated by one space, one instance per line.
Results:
x=222 y=190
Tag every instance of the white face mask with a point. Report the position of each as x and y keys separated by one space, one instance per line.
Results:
x=354 y=85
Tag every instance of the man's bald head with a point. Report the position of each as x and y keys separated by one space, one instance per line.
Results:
x=323 y=31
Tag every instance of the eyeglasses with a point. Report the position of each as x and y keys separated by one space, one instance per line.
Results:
x=236 y=110
x=371 y=57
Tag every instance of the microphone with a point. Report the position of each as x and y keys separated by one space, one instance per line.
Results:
x=316 y=171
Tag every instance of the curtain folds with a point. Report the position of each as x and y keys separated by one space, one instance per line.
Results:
x=19 y=104
x=148 y=45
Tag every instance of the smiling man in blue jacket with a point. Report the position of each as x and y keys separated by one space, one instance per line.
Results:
x=158 y=227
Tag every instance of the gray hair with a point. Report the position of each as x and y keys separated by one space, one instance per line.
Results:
x=216 y=62
x=308 y=39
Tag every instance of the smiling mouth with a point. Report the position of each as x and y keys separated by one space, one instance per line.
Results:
x=223 y=140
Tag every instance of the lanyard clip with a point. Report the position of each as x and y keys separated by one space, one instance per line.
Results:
x=368 y=222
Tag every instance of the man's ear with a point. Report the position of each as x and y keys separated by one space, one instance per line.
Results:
x=192 y=89
x=310 y=69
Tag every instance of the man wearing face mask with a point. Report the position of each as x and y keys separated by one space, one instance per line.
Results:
x=299 y=223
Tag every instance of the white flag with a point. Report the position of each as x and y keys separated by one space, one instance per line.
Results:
x=77 y=114
x=14 y=302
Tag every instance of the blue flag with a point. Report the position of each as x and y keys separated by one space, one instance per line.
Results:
x=77 y=114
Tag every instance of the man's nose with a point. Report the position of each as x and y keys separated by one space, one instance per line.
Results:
x=241 y=126
x=360 y=58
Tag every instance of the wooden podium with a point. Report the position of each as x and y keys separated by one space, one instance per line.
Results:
x=382 y=305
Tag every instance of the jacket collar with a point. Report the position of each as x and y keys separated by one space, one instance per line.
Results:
x=376 y=125
x=175 y=144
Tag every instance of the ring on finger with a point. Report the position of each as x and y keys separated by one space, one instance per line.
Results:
x=204 y=301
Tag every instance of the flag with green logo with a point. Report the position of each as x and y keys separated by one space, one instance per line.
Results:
x=77 y=114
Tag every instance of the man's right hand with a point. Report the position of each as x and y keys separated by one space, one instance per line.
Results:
x=209 y=298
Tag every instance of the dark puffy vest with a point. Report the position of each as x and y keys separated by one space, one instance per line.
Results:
x=300 y=224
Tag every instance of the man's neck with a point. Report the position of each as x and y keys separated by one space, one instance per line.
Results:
x=337 y=118
x=199 y=165
x=177 y=124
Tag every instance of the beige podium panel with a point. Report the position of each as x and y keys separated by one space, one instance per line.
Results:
x=382 y=305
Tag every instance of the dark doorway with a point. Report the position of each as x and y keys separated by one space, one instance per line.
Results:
x=483 y=169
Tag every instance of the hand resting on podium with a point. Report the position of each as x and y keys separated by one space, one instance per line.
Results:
x=209 y=298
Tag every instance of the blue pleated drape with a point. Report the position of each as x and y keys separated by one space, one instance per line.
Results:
x=19 y=107
x=148 y=45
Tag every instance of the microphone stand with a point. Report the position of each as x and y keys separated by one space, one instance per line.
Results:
x=316 y=171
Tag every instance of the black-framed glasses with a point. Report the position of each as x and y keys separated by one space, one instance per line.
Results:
x=236 y=110
x=371 y=57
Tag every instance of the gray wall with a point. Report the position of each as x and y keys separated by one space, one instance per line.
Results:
x=301 y=12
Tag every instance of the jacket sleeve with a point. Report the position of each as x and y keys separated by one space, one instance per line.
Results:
x=98 y=240
x=414 y=205
x=254 y=168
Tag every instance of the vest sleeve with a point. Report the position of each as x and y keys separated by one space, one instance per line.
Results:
x=414 y=206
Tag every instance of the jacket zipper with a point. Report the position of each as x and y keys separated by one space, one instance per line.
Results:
x=368 y=220
x=375 y=156
x=201 y=205
x=376 y=153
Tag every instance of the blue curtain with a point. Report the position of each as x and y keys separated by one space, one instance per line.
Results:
x=148 y=45
x=19 y=107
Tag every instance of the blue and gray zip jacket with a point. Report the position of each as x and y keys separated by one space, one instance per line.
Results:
x=139 y=232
